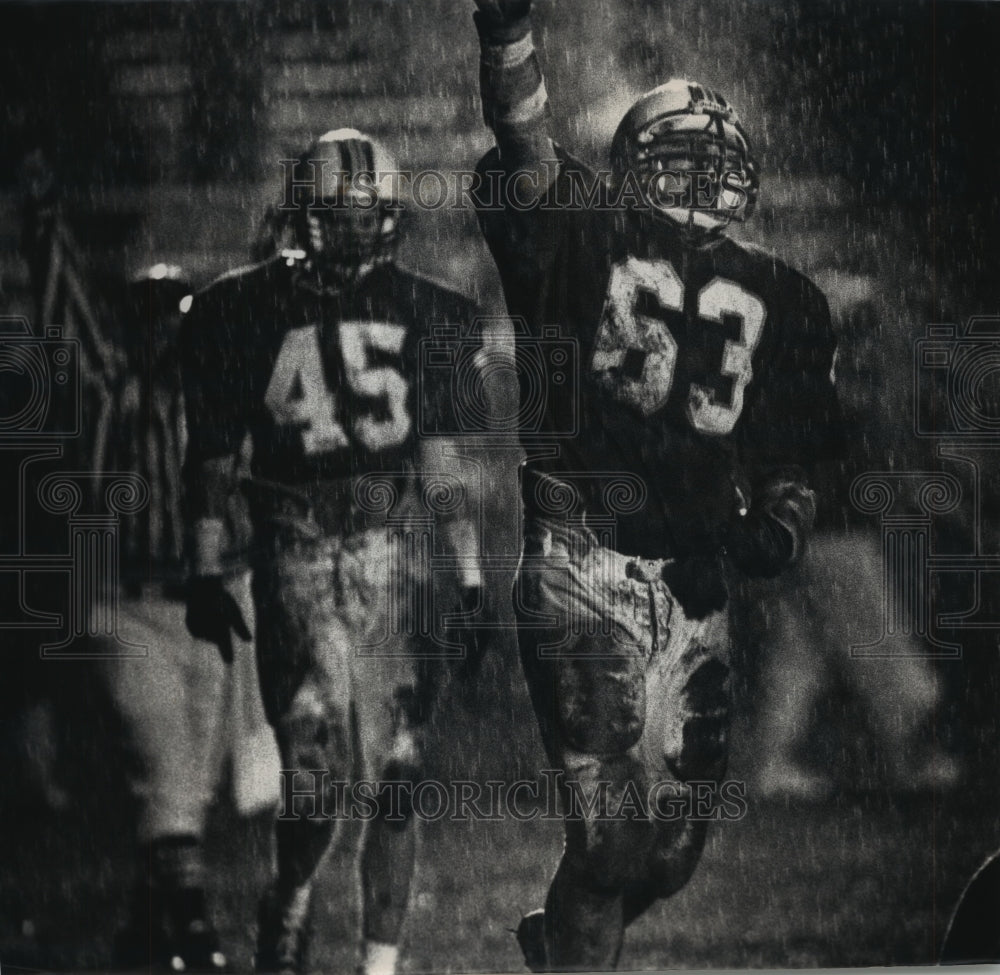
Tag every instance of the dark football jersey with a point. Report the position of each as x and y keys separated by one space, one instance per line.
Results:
x=697 y=369
x=326 y=385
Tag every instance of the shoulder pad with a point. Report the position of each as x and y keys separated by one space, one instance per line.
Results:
x=440 y=291
x=240 y=278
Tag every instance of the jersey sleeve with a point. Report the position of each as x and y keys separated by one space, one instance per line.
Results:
x=793 y=419
x=211 y=375
x=446 y=362
x=512 y=86
x=525 y=237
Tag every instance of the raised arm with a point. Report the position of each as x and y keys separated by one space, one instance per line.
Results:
x=515 y=102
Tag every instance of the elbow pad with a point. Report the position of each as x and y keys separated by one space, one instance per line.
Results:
x=512 y=86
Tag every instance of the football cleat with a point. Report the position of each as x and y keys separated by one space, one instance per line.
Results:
x=530 y=935
x=692 y=157
x=175 y=936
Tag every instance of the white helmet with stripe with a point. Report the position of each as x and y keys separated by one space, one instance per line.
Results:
x=344 y=202
x=676 y=131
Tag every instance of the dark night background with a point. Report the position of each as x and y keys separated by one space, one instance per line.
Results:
x=875 y=123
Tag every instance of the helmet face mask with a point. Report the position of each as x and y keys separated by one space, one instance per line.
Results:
x=346 y=216
x=343 y=241
x=691 y=157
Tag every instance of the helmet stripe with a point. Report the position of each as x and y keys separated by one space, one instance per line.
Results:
x=345 y=156
x=357 y=157
x=369 y=152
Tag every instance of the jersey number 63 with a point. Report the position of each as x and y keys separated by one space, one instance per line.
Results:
x=635 y=352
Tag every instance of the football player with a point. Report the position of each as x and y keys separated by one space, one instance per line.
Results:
x=704 y=396
x=315 y=353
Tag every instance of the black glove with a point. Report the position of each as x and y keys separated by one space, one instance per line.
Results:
x=495 y=19
x=214 y=615
x=759 y=546
x=697 y=584
x=504 y=11
x=470 y=599
x=772 y=534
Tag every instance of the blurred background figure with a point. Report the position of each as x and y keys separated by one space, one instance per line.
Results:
x=179 y=713
x=169 y=697
x=830 y=602
x=34 y=694
x=829 y=720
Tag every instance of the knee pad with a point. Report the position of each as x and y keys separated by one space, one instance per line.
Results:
x=602 y=703
x=315 y=736
x=698 y=746
x=606 y=843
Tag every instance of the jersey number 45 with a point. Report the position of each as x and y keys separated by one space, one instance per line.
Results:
x=298 y=394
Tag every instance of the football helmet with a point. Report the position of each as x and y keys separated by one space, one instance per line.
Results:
x=342 y=196
x=692 y=157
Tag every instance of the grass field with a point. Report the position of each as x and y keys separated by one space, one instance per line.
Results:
x=866 y=879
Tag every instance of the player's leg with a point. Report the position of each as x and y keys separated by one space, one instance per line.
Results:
x=685 y=739
x=675 y=864
x=170 y=704
x=305 y=685
x=581 y=925
x=390 y=708
x=388 y=852
x=586 y=681
x=585 y=909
